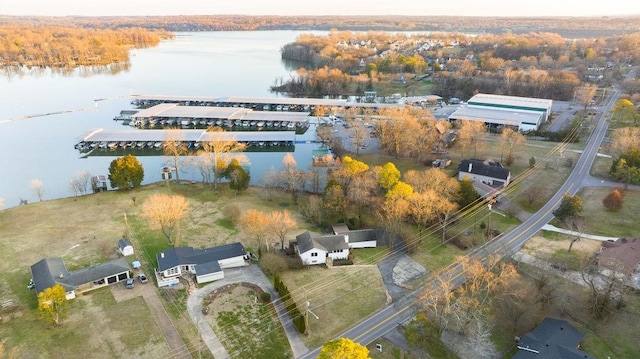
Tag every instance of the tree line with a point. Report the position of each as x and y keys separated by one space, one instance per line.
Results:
x=575 y=27
x=534 y=65
x=60 y=46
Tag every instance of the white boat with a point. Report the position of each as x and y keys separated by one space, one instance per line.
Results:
x=260 y=124
x=219 y=123
x=284 y=124
x=140 y=144
x=253 y=123
x=157 y=144
x=291 y=125
x=150 y=144
x=276 y=124
x=245 y=123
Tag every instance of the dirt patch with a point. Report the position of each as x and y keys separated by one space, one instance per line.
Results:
x=541 y=247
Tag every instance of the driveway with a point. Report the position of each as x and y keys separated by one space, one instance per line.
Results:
x=149 y=293
x=249 y=274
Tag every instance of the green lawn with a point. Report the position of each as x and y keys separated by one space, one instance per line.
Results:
x=96 y=324
x=600 y=221
x=246 y=328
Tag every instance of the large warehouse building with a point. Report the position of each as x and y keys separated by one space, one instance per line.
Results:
x=523 y=113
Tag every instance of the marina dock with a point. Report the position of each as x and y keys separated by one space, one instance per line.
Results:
x=111 y=140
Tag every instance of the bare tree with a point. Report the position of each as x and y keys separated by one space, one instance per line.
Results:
x=291 y=176
x=80 y=183
x=533 y=194
x=576 y=224
x=217 y=146
x=584 y=94
x=256 y=225
x=174 y=147
x=605 y=289
x=625 y=138
x=269 y=181
x=166 y=212
x=470 y=134
x=38 y=188
x=359 y=133
x=281 y=223
x=510 y=142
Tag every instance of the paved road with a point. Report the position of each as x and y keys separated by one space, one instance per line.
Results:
x=507 y=244
x=249 y=274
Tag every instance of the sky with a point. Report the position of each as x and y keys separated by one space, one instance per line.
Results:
x=322 y=7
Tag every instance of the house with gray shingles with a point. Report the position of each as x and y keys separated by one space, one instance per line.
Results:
x=205 y=264
x=552 y=339
x=317 y=249
x=51 y=271
x=359 y=238
x=488 y=172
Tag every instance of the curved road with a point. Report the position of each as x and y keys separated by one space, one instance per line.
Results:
x=389 y=317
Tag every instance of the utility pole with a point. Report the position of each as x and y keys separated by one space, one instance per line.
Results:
x=307 y=330
x=490 y=204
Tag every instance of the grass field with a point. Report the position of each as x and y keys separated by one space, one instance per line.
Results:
x=339 y=296
x=246 y=328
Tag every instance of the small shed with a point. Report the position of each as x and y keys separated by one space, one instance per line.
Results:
x=124 y=247
x=99 y=183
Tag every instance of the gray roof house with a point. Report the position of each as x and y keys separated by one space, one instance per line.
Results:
x=552 y=339
x=206 y=264
x=359 y=238
x=488 y=172
x=51 y=271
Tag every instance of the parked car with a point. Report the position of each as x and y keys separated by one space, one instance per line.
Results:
x=142 y=278
x=129 y=283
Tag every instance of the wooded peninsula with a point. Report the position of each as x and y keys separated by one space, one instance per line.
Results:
x=65 y=46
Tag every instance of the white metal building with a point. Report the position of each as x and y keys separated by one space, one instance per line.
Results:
x=523 y=113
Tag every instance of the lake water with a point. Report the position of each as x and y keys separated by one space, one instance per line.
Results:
x=215 y=64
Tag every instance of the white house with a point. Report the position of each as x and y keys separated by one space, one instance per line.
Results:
x=316 y=249
x=487 y=172
x=51 y=271
x=124 y=247
x=206 y=264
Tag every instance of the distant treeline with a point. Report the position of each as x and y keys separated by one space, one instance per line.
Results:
x=570 y=27
x=65 y=46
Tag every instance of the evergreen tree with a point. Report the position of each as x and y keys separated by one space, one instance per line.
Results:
x=570 y=207
x=468 y=193
x=237 y=176
x=126 y=172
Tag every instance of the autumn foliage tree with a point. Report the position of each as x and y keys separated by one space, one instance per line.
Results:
x=52 y=304
x=613 y=201
x=166 y=212
x=343 y=348
x=126 y=172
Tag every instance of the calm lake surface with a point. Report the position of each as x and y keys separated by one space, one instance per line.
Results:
x=216 y=64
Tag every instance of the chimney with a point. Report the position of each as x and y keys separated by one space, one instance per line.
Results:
x=161 y=254
x=61 y=275
x=470 y=167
